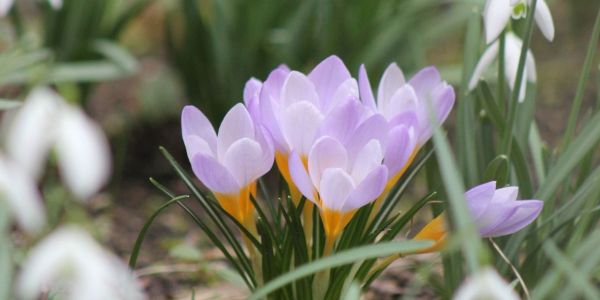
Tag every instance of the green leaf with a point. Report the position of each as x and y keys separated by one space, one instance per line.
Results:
x=497 y=170
x=340 y=259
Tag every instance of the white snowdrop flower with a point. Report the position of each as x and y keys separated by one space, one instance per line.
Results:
x=497 y=14
x=46 y=122
x=70 y=263
x=486 y=284
x=512 y=54
x=20 y=194
x=6 y=5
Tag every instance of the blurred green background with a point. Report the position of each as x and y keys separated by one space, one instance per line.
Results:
x=133 y=64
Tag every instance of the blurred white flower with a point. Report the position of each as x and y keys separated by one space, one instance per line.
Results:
x=486 y=284
x=69 y=261
x=512 y=54
x=497 y=14
x=19 y=191
x=46 y=121
x=5 y=5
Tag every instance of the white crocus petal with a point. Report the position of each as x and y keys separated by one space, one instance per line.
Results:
x=69 y=261
x=5 y=6
x=367 y=159
x=297 y=87
x=496 y=16
x=237 y=124
x=485 y=61
x=300 y=123
x=244 y=159
x=20 y=192
x=486 y=284
x=31 y=132
x=543 y=18
x=391 y=80
x=83 y=153
x=335 y=187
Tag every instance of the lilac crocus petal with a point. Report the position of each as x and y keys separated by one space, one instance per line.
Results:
x=195 y=145
x=214 y=175
x=243 y=160
x=402 y=100
x=268 y=152
x=489 y=55
x=297 y=88
x=391 y=80
x=268 y=118
x=543 y=18
x=527 y=211
x=335 y=187
x=341 y=122
x=479 y=197
x=496 y=15
x=251 y=97
x=506 y=194
x=300 y=177
x=407 y=118
x=364 y=88
x=401 y=144
x=327 y=76
x=494 y=216
x=374 y=127
x=442 y=101
x=347 y=91
x=368 y=189
x=367 y=159
x=300 y=123
x=195 y=123
x=237 y=124
x=425 y=81
x=326 y=153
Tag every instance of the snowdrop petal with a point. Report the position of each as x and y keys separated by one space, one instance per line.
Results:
x=527 y=211
x=485 y=61
x=479 y=197
x=327 y=76
x=391 y=80
x=214 y=175
x=35 y=120
x=368 y=189
x=243 y=159
x=367 y=159
x=401 y=145
x=364 y=88
x=543 y=18
x=496 y=16
x=236 y=125
x=5 y=6
x=300 y=123
x=486 y=284
x=83 y=153
x=335 y=187
x=298 y=88
x=56 y=4
x=20 y=191
x=195 y=123
x=326 y=153
x=300 y=177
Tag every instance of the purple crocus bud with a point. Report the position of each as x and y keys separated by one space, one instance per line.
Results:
x=497 y=212
x=228 y=163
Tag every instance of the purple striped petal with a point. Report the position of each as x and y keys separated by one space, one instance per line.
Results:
x=336 y=185
x=368 y=189
x=214 y=175
x=194 y=122
x=479 y=197
x=326 y=153
x=527 y=212
x=300 y=177
x=327 y=76
x=237 y=124
x=364 y=88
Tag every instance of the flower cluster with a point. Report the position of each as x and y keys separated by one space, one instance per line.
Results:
x=333 y=141
x=496 y=17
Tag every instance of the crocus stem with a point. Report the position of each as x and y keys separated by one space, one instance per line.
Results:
x=321 y=281
x=382 y=264
x=307 y=219
x=255 y=257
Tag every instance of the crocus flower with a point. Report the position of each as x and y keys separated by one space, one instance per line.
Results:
x=497 y=14
x=46 y=122
x=512 y=54
x=20 y=194
x=406 y=106
x=485 y=284
x=6 y=5
x=228 y=163
x=340 y=179
x=293 y=106
x=69 y=261
x=496 y=212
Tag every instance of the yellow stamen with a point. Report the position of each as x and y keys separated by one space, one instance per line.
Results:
x=334 y=222
x=434 y=231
